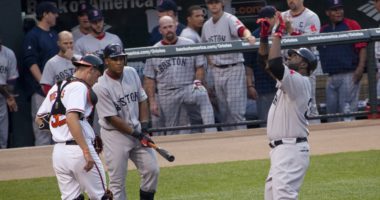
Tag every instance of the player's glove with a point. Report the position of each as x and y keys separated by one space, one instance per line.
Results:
x=45 y=123
x=98 y=144
x=145 y=128
x=197 y=85
x=280 y=26
x=264 y=28
x=143 y=138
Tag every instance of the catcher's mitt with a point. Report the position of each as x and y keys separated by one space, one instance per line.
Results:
x=98 y=144
x=45 y=123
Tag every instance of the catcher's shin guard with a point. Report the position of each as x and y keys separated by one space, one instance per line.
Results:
x=146 y=195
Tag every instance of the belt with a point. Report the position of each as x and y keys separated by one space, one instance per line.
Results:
x=275 y=143
x=225 y=66
x=71 y=142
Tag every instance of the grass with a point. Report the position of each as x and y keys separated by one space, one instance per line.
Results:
x=341 y=176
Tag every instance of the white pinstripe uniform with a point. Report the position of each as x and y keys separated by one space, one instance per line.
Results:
x=68 y=160
x=286 y=122
x=8 y=71
x=121 y=98
x=174 y=77
x=230 y=80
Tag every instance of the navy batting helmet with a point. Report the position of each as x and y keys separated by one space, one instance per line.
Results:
x=307 y=55
x=113 y=50
x=90 y=60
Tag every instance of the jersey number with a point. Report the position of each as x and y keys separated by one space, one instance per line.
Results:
x=56 y=122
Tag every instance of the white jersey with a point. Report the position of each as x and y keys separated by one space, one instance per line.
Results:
x=287 y=114
x=90 y=44
x=56 y=69
x=224 y=30
x=191 y=34
x=8 y=65
x=77 y=33
x=305 y=23
x=173 y=72
x=75 y=98
x=119 y=98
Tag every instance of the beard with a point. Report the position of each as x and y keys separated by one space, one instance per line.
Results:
x=293 y=66
x=170 y=36
x=96 y=30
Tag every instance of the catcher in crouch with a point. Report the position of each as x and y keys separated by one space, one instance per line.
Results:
x=65 y=110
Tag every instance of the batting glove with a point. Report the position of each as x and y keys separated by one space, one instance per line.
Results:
x=197 y=85
x=264 y=28
x=143 y=138
x=145 y=128
x=281 y=27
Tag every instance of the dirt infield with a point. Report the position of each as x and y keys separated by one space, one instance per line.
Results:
x=32 y=162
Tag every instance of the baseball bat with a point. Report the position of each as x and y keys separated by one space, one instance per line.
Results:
x=164 y=153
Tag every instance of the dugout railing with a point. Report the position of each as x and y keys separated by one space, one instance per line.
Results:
x=365 y=35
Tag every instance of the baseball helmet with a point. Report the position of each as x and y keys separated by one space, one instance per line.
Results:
x=90 y=60
x=113 y=50
x=307 y=55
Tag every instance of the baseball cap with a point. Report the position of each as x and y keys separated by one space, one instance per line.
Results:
x=113 y=50
x=46 y=7
x=95 y=15
x=90 y=60
x=84 y=8
x=267 y=11
x=331 y=4
x=165 y=5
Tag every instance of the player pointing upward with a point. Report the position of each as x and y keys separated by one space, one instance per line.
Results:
x=287 y=125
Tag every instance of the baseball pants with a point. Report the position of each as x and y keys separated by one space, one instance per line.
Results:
x=41 y=137
x=68 y=163
x=231 y=93
x=172 y=100
x=118 y=148
x=289 y=163
x=4 y=123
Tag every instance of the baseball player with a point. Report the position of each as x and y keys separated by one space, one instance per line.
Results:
x=59 y=67
x=227 y=69
x=195 y=19
x=98 y=39
x=300 y=20
x=84 y=26
x=122 y=106
x=287 y=124
x=8 y=76
x=67 y=106
x=174 y=79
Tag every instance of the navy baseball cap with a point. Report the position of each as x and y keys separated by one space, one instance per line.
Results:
x=46 y=7
x=267 y=11
x=165 y=5
x=113 y=50
x=84 y=8
x=95 y=15
x=332 y=4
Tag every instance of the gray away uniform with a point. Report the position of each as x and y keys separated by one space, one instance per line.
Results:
x=227 y=70
x=121 y=98
x=56 y=69
x=8 y=71
x=174 y=79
